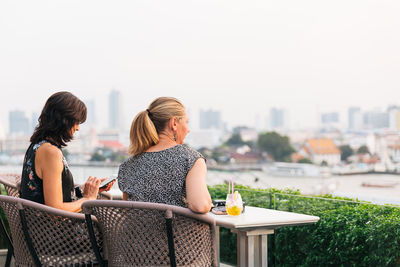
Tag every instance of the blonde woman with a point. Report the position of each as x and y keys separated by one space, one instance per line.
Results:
x=161 y=169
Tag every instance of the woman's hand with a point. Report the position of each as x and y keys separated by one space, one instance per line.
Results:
x=91 y=188
x=108 y=187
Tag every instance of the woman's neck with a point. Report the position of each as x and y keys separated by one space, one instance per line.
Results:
x=164 y=142
x=52 y=141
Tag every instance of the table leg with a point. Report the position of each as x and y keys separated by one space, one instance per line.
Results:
x=256 y=250
x=242 y=249
x=250 y=251
x=252 y=248
x=217 y=243
x=263 y=246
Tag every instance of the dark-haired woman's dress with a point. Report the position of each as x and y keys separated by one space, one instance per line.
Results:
x=32 y=185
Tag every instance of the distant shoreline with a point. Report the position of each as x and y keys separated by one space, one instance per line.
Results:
x=228 y=168
x=232 y=168
x=366 y=173
x=94 y=164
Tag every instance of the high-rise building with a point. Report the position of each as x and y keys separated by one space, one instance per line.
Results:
x=277 y=118
x=2 y=137
x=114 y=110
x=355 y=121
x=210 y=119
x=19 y=123
x=330 y=121
x=332 y=117
x=91 y=119
x=376 y=119
x=34 y=120
x=2 y=132
x=394 y=118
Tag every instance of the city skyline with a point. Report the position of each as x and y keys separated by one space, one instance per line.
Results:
x=243 y=59
x=356 y=119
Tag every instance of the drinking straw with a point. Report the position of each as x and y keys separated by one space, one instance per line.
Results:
x=232 y=189
x=229 y=187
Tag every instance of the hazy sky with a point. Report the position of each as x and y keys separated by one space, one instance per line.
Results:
x=240 y=57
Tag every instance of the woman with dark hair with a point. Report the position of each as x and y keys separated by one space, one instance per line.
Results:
x=46 y=177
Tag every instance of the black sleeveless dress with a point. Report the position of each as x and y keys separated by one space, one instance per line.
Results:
x=32 y=185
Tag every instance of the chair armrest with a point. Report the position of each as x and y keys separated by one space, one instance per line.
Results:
x=104 y=196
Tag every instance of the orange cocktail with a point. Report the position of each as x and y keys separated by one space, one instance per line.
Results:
x=234 y=204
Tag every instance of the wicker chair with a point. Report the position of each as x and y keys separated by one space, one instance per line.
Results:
x=7 y=239
x=22 y=256
x=51 y=237
x=153 y=234
x=11 y=183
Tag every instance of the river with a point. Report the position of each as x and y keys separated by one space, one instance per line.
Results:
x=346 y=185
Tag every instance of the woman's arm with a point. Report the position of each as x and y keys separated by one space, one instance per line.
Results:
x=197 y=195
x=49 y=167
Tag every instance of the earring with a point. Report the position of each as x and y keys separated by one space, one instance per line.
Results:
x=175 y=137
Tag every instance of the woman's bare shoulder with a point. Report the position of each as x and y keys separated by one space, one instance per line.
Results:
x=50 y=151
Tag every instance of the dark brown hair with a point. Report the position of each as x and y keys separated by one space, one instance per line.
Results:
x=60 y=113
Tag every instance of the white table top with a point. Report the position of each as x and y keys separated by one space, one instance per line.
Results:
x=254 y=218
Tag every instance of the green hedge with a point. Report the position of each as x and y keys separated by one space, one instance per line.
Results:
x=258 y=198
x=349 y=233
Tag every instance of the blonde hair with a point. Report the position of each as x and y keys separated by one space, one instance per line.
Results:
x=148 y=124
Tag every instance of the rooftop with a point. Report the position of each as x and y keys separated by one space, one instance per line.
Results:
x=321 y=146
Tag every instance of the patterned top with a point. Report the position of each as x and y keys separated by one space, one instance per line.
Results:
x=158 y=177
x=32 y=185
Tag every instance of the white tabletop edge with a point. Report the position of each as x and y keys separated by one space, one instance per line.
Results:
x=263 y=218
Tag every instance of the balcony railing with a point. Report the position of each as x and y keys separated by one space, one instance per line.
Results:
x=349 y=233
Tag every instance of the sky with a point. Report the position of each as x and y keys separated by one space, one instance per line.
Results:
x=239 y=57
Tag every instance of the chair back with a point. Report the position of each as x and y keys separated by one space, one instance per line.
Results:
x=54 y=237
x=10 y=206
x=137 y=234
x=11 y=183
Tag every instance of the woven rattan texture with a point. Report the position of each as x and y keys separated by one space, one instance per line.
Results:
x=134 y=237
x=21 y=251
x=138 y=237
x=60 y=240
x=13 y=179
x=193 y=242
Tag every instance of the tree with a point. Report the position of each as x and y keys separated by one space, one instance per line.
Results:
x=117 y=157
x=276 y=145
x=235 y=139
x=346 y=151
x=363 y=150
x=305 y=160
x=97 y=157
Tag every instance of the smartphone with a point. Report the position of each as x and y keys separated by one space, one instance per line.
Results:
x=219 y=210
x=107 y=181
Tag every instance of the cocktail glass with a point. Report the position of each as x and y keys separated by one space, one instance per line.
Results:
x=234 y=206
